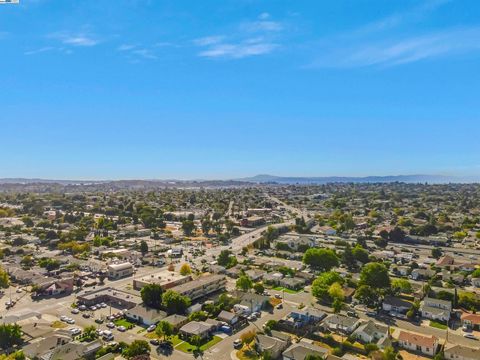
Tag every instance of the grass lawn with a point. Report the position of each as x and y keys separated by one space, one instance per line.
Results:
x=438 y=325
x=288 y=291
x=58 y=325
x=247 y=354
x=124 y=322
x=175 y=340
x=188 y=348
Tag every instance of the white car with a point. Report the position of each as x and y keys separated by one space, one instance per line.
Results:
x=151 y=328
x=470 y=336
x=75 y=311
x=70 y=321
x=82 y=308
x=237 y=344
x=64 y=318
x=122 y=328
x=93 y=308
x=110 y=325
x=103 y=305
x=75 y=331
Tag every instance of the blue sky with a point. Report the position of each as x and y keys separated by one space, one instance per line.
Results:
x=223 y=89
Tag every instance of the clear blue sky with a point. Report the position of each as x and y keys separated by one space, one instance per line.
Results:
x=223 y=89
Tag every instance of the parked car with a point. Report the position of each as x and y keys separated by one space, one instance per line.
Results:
x=70 y=321
x=75 y=331
x=155 y=342
x=278 y=296
x=99 y=321
x=111 y=325
x=352 y=314
x=64 y=318
x=470 y=336
x=122 y=328
x=93 y=308
x=151 y=328
x=75 y=311
x=237 y=344
x=279 y=306
x=86 y=315
x=82 y=308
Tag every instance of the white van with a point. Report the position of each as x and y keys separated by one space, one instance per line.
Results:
x=107 y=335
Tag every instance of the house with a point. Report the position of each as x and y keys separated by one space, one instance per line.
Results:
x=252 y=302
x=55 y=287
x=341 y=323
x=471 y=320
x=299 y=351
x=436 y=309
x=427 y=345
x=274 y=346
x=74 y=350
x=196 y=328
x=118 y=271
x=272 y=278
x=422 y=274
x=445 y=261
x=307 y=315
x=229 y=317
x=41 y=346
x=293 y=283
x=202 y=286
x=145 y=315
x=177 y=321
x=396 y=306
x=371 y=332
x=476 y=282
x=460 y=352
x=255 y=275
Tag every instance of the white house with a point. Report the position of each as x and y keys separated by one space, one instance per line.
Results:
x=371 y=332
x=436 y=309
x=427 y=345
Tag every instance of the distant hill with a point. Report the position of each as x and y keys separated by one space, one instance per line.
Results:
x=431 y=179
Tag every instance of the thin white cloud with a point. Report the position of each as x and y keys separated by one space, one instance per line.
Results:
x=209 y=40
x=252 y=38
x=406 y=50
x=125 y=47
x=238 y=51
x=39 y=50
x=76 y=39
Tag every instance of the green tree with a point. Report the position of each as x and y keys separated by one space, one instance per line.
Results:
x=164 y=329
x=367 y=295
x=337 y=305
x=360 y=254
x=175 y=303
x=10 y=335
x=389 y=353
x=375 y=275
x=335 y=291
x=4 y=279
x=437 y=253
x=244 y=283
x=188 y=226
x=136 y=348
x=402 y=286
x=143 y=247
x=152 y=295
x=320 y=259
x=259 y=288
x=321 y=285
x=185 y=270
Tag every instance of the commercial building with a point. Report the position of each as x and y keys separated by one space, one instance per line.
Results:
x=166 y=279
x=118 y=271
x=202 y=286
